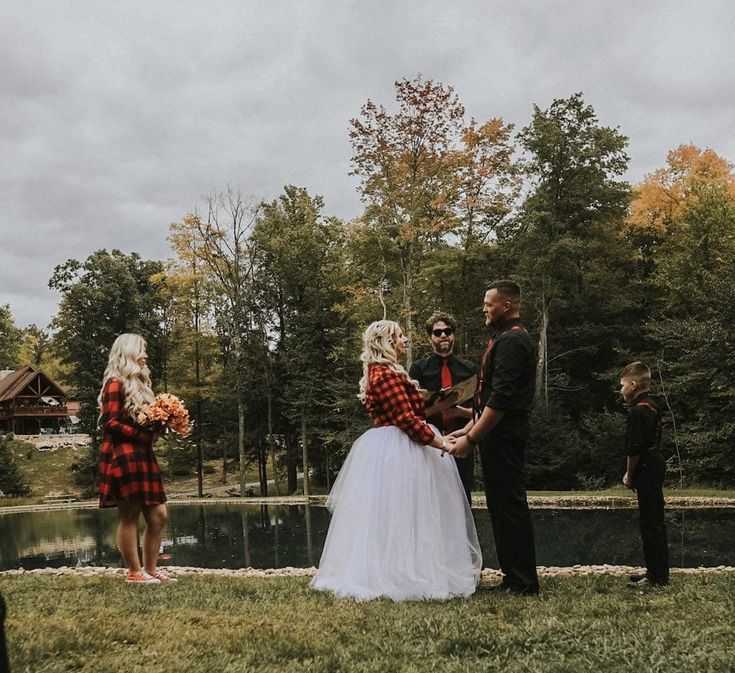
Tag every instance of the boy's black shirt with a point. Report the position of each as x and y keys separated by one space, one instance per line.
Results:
x=641 y=435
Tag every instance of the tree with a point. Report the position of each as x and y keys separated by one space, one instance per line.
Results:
x=409 y=177
x=108 y=294
x=10 y=339
x=572 y=258
x=662 y=198
x=300 y=281
x=692 y=331
x=224 y=249
x=192 y=332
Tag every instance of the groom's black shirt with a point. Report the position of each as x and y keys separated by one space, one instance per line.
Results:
x=509 y=374
x=428 y=372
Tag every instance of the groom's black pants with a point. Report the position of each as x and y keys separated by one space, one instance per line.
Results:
x=503 y=468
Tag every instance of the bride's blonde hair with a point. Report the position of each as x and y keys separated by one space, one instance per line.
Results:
x=379 y=347
x=123 y=364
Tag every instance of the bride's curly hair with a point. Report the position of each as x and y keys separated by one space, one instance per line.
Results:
x=379 y=347
x=136 y=380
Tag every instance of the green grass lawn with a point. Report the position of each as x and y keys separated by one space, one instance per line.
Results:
x=222 y=625
x=49 y=472
x=46 y=471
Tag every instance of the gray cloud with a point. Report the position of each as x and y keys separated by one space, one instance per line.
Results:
x=117 y=118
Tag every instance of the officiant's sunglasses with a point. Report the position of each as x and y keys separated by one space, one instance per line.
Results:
x=448 y=331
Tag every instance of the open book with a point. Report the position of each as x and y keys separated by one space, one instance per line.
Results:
x=439 y=400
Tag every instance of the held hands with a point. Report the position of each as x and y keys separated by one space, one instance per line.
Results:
x=628 y=482
x=459 y=447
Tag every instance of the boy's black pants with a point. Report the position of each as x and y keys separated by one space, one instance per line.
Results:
x=503 y=468
x=649 y=481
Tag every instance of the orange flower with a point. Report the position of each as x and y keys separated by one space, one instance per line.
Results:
x=168 y=412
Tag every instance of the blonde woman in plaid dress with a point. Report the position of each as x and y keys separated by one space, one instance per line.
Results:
x=130 y=478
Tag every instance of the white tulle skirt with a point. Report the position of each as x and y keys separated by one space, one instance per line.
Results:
x=401 y=527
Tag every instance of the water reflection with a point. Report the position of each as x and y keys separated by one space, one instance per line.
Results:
x=237 y=536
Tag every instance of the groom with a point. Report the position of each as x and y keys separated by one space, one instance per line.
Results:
x=500 y=426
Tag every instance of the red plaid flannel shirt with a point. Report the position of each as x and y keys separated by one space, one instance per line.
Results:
x=114 y=420
x=128 y=469
x=391 y=400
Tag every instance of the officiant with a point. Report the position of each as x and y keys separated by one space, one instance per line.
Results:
x=443 y=369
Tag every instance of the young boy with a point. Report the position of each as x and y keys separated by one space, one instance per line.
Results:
x=645 y=472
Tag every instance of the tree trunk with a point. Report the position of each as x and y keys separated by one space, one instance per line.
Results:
x=198 y=384
x=241 y=440
x=263 y=469
x=304 y=454
x=224 y=458
x=407 y=306
x=271 y=445
x=542 y=371
x=291 y=471
x=326 y=469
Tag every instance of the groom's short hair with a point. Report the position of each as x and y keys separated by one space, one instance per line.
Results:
x=508 y=291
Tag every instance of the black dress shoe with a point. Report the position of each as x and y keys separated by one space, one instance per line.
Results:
x=502 y=588
x=499 y=588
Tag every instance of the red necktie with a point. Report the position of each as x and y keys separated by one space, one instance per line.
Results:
x=447 y=421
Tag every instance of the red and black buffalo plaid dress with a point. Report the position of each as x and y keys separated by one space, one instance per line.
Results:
x=391 y=400
x=128 y=467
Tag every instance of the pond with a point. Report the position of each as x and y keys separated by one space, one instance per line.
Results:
x=268 y=536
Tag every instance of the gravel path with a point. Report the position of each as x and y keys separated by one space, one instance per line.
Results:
x=487 y=573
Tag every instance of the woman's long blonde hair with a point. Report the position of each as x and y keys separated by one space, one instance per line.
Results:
x=123 y=364
x=379 y=347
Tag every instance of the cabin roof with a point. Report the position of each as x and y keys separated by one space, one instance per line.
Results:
x=14 y=383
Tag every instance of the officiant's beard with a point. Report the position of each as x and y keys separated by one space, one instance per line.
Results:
x=444 y=348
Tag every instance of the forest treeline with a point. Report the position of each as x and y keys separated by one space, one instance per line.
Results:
x=256 y=319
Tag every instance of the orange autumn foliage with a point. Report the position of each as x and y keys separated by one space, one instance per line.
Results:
x=663 y=195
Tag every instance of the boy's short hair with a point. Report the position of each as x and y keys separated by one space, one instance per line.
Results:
x=508 y=291
x=439 y=316
x=639 y=372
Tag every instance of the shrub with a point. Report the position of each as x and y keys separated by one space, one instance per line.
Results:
x=12 y=481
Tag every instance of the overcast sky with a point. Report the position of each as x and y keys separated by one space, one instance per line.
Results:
x=117 y=118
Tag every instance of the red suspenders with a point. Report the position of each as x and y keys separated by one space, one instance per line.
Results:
x=477 y=399
x=650 y=407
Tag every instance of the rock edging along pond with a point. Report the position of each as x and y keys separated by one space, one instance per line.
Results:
x=487 y=573
x=478 y=502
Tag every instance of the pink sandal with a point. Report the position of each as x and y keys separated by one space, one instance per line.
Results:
x=162 y=577
x=142 y=577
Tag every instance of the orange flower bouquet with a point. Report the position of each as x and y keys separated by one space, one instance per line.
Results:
x=168 y=413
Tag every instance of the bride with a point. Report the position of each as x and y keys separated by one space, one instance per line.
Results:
x=401 y=527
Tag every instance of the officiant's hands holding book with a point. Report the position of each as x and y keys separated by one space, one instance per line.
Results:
x=447 y=399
